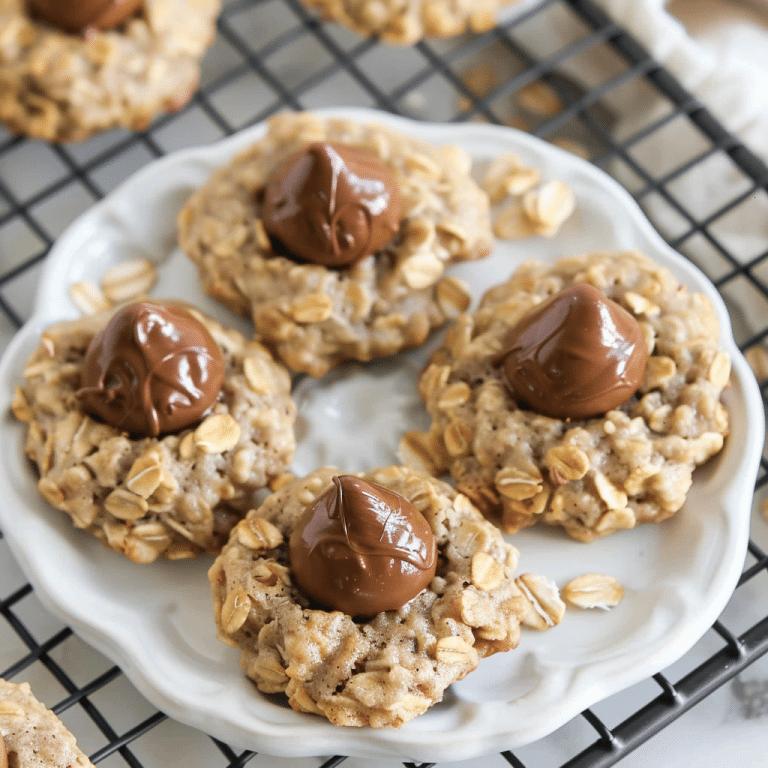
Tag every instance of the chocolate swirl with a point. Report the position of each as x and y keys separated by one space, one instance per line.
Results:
x=362 y=549
x=578 y=355
x=76 y=16
x=153 y=369
x=331 y=204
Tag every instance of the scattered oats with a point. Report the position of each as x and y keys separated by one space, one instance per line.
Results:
x=593 y=590
x=88 y=297
x=549 y=206
x=480 y=79
x=508 y=175
x=512 y=223
x=545 y=607
x=129 y=280
x=539 y=99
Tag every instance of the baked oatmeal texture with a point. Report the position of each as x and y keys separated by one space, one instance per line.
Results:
x=33 y=736
x=388 y=669
x=172 y=496
x=65 y=87
x=313 y=317
x=594 y=476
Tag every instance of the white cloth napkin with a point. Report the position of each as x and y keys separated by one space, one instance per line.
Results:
x=720 y=53
x=718 y=50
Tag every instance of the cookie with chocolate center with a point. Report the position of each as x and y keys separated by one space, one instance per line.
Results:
x=336 y=238
x=69 y=70
x=293 y=632
x=153 y=427
x=582 y=394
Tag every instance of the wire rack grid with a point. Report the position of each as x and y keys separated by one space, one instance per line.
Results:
x=274 y=54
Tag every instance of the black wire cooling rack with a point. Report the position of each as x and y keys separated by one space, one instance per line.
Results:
x=274 y=54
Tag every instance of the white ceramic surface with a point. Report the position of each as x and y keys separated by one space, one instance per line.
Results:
x=156 y=621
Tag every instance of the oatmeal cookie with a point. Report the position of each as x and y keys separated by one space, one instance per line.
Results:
x=388 y=669
x=404 y=23
x=172 y=495
x=312 y=316
x=597 y=475
x=60 y=86
x=32 y=735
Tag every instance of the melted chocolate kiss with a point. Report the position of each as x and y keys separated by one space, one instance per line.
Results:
x=154 y=368
x=331 y=204
x=578 y=355
x=362 y=549
x=77 y=15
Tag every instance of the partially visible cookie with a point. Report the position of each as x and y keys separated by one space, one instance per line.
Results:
x=313 y=316
x=594 y=475
x=168 y=496
x=32 y=735
x=381 y=671
x=63 y=86
x=409 y=21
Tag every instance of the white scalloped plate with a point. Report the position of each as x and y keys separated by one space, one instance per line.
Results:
x=156 y=621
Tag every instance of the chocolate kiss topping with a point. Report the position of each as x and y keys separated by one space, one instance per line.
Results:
x=362 y=549
x=77 y=15
x=154 y=368
x=332 y=204
x=578 y=355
